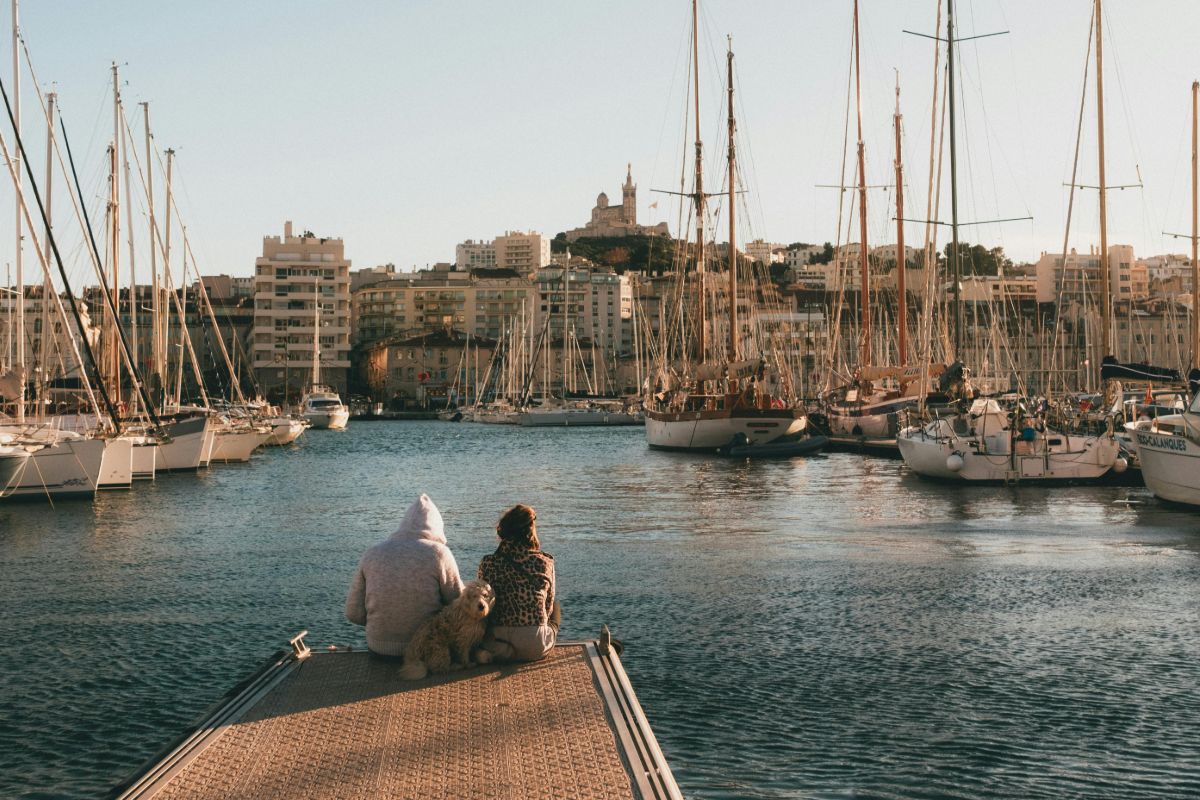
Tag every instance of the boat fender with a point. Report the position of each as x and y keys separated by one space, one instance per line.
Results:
x=1120 y=465
x=954 y=462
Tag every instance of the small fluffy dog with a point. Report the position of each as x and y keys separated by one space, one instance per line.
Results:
x=445 y=642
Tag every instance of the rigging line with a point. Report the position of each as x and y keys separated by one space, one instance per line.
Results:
x=62 y=271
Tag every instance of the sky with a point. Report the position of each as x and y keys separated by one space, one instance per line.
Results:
x=406 y=127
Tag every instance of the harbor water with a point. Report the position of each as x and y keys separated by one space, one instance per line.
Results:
x=830 y=627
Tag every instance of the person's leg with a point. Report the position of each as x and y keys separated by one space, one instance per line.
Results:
x=555 y=620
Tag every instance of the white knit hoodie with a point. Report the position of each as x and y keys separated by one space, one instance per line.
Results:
x=404 y=580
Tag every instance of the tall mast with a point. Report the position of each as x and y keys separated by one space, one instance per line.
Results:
x=20 y=296
x=48 y=339
x=955 y=256
x=1105 y=290
x=158 y=348
x=114 y=216
x=133 y=292
x=1195 y=236
x=701 y=345
x=733 y=310
x=863 y=261
x=901 y=261
x=316 y=365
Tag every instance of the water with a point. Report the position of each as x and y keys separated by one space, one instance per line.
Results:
x=820 y=628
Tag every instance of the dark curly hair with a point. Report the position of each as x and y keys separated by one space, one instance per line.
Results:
x=517 y=527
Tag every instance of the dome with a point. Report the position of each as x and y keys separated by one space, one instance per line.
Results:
x=602 y=200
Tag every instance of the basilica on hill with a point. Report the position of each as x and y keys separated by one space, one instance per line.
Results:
x=609 y=220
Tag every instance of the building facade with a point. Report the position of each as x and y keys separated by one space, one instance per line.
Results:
x=301 y=291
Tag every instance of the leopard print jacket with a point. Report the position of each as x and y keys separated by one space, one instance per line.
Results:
x=524 y=583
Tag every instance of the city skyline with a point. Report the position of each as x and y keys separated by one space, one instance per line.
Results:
x=404 y=130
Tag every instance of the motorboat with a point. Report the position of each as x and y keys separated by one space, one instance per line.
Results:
x=323 y=408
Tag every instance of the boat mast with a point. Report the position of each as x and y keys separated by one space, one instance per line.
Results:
x=733 y=258
x=1105 y=289
x=114 y=248
x=316 y=365
x=167 y=274
x=133 y=292
x=901 y=261
x=45 y=354
x=863 y=260
x=157 y=310
x=1195 y=235
x=698 y=197
x=20 y=296
x=955 y=256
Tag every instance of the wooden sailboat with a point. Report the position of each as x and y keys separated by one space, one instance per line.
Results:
x=716 y=398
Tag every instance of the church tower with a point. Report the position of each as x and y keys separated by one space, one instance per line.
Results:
x=629 y=197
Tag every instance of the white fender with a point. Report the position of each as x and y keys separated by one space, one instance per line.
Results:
x=954 y=462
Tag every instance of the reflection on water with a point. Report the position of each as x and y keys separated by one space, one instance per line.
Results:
x=822 y=627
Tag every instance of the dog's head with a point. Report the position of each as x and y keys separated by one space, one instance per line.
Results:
x=477 y=598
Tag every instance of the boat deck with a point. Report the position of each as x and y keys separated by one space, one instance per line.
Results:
x=342 y=724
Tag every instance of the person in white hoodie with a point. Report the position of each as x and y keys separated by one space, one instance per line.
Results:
x=404 y=580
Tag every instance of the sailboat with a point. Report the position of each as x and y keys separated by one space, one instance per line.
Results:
x=321 y=406
x=990 y=442
x=710 y=399
x=1168 y=448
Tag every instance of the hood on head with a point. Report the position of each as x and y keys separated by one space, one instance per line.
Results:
x=422 y=521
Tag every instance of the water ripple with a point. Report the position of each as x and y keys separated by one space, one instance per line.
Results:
x=821 y=628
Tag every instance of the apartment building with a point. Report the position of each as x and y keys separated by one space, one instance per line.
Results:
x=471 y=255
x=300 y=282
x=522 y=252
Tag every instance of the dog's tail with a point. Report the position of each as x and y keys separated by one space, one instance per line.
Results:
x=413 y=670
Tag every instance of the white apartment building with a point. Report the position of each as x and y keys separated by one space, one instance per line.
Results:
x=51 y=354
x=471 y=255
x=591 y=304
x=295 y=275
x=522 y=252
x=765 y=252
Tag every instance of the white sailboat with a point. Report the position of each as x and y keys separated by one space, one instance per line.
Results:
x=1169 y=447
x=705 y=402
x=321 y=406
x=12 y=462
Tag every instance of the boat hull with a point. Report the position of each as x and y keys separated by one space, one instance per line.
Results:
x=12 y=461
x=284 y=431
x=1084 y=458
x=186 y=446
x=116 y=468
x=1170 y=466
x=571 y=418
x=708 y=430
x=235 y=446
x=64 y=469
x=328 y=420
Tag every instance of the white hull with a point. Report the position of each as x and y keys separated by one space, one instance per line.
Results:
x=935 y=451
x=494 y=417
x=284 y=431
x=145 y=459
x=187 y=448
x=331 y=420
x=68 y=468
x=237 y=445
x=116 y=468
x=12 y=461
x=574 y=417
x=707 y=430
x=1170 y=464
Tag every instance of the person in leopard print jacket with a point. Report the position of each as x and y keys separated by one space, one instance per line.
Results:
x=523 y=625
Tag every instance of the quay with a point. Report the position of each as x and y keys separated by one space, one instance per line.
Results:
x=317 y=724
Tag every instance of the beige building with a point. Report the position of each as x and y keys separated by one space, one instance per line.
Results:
x=482 y=302
x=295 y=275
x=1080 y=277
x=522 y=252
x=588 y=304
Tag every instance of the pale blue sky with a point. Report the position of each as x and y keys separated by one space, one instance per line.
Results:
x=406 y=127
